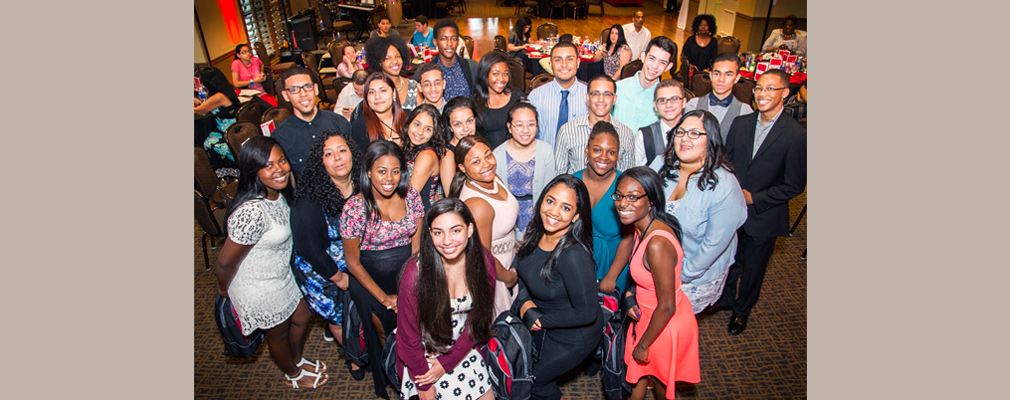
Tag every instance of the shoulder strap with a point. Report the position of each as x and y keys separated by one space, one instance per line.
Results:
x=648 y=135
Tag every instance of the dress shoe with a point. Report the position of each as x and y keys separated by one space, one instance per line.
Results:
x=357 y=374
x=737 y=324
x=669 y=10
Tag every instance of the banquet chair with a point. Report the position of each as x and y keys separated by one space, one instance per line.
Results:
x=277 y=69
x=277 y=114
x=209 y=184
x=210 y=223
x=500 y=43
x=339 y=83
x=468 y=42
x=517 y=75
x=701 y=83
x=250 y=112
x=631 y=68
x=325 y=94
x=594 y=3
x=268 y=83
x=744 y=90
x=523 y=7
x=238 y=133
x=729 y=44
x=685 y=72
x=278 y=88
x=556 y=4
x=547 y=29
x=603 y=36
x=688 y=95
x=331 y=25
x=580 y=4
x=541 y=79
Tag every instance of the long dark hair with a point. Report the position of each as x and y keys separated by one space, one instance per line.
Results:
x=215 y=82
x=481 y=91
x=373 y=152
x=239 y=47
x=372 y=123
x=653 y=186
x=317 y=185
x=459 y=157
x=520 y=28
x=620 y=38
x=436 y=142
x=580 y=232
x=715 y=152
x=452 y=105
x=432 y=289
x=254 y=156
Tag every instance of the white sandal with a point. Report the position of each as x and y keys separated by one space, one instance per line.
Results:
x=302 y=373
x=318 y=366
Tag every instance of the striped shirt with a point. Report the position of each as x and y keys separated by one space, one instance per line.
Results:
x=547 y=100
x=570 y=149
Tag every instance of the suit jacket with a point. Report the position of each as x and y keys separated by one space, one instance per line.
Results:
x=468 y=66
x=777 y=173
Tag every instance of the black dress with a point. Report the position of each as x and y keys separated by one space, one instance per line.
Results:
x=700 y=57
x=572 y=322
x=495 y=121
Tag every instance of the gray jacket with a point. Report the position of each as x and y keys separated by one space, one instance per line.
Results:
x=543 y=170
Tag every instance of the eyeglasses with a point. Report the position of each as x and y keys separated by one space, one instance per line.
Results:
x=664 y=100
x=631 y=197
x=308 y=88
x=691 y=134
x=244 y=52
x=759 y=89
x=606 y=95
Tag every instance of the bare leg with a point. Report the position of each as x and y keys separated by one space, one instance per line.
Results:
x=638 y=391
x=659 y=392
x=338 y=333
x=379 y=330
x=299 y=324
x=279 y=343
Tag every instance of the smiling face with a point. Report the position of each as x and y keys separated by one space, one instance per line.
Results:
x=462 y=123
x=480 y=164
x=379 y=96
x=275 y=174
x=523 y=126
x=450 y=235
x=629 y=211
x=337 y=158
x=601 y=153
x=724 y=75
x=432 y=86
x=655 y=63
x=393 y=62
x=601 y=97
x=498 y=78
x=564 y=63
x=788 y=27
x=669 y=110
x=385 y=176
x=447 y=39
x=303 y=102
x=420 y=129
x=689 y=150
x=350 y=54
x=770 y=101
x=558 y=209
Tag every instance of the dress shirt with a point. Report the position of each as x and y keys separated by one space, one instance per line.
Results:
x=455 y=82
x=547 y=100
x=761 y=131
x=296 y=135
x=570 y=149
x=636 y=40
x=347 y=98
x=640 y=144
x=634 y=103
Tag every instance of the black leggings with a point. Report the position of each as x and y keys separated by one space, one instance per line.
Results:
x=561 y=350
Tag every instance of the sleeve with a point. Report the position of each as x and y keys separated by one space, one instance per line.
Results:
x=415 y=208
x=561 y=152
x=409 y=350
x=466 y=340
x=640 y=146
x=247 y=224
x=235 y=66
x=578 y=274
x=795 y=175
x=691 y=105
x=771 y=39
x=352 y=220
x=626 y=157
x=310 y=235
x=725 y=215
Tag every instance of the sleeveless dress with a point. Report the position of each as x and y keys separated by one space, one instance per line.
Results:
x=520 y=180
x=432 y=189
x=606 y=233
x=263 y=290
x=503 y=238
x=673 y=356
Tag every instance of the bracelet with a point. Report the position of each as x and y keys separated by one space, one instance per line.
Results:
x=251 y=81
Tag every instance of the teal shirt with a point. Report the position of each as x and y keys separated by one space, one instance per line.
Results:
x=424 y=40
x=634 y=104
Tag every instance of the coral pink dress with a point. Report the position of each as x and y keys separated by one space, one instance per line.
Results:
x=673 y=356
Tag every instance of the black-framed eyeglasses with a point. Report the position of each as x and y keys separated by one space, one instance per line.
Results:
x=598 y=93
x=664 y=100
x=631 y=197
x=308 y=87
x=691 y=134
x=759 y=89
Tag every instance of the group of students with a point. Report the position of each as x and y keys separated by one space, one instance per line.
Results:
x=450 y=201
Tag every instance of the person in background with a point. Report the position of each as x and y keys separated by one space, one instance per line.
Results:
x=700 y=48
x=432 y=85
x=350 y=96
x=493 y=96
x=652 y=140
x=446 y=291
x=388 y=56
x=787 y=38
x=796 y=105
x=705 y=196
x=223 y=103
x=519 y=37
x=423 y=34
x=348 y=62
x=458 y=72
x=308 y=122
x=720 y=101
x=424 y=148
x=560 y=100
x=615 y=53
x=247 y=69
x=638 y=35
x=570 y=148
x=635 y=93
x=545 y=62
x=384 y=29
x=379 y=116
x=525 y=163
x=672 y=6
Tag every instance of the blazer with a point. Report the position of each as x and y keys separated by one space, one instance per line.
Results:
x=543 y=169
x=776 y=174
x=468 y=66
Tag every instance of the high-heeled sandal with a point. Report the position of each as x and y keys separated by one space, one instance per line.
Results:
x=302 y=373
x=317 y=366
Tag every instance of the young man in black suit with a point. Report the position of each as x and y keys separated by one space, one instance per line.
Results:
x=768 y=150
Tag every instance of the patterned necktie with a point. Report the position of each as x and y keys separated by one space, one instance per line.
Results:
x=563 y=110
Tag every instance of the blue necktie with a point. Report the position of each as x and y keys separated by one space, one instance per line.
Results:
x=563 y=110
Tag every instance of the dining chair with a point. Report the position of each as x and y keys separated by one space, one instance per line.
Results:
x=210 y=223
x=556 y=4
x=325 y=94
x=729 y=44
x=685 y=72
x=332 y=25
x=277 y=114
x=218 y=194
x=517 y=75
x=278 y=88
x=238 y=133
x=580 y=4
x=468 y=41
x=631 y=68
x=524 y=7
x=249 y=112
x=269 y=84
x=743 y=90
x=539 y=80
x=500 y=43
x=595 y=3
x=547 y=29
x=701 y=83
x=688 y=95
x=339 y=83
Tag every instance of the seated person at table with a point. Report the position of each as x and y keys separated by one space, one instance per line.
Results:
x=518 y=38
x=296 y=134
x=787 y=38
x=636 y=92
x=247 y=69
x=615 y=53
x=384 y=29
x=423 y=34
x=348 y=62
x=796 y=105
x=223 y=103
x=570 y=148
x=545 y=62
x=432 y=85
x=720 y=101
x=350 y=96
x=701 y=47
x=457 y=72
x=562 y=99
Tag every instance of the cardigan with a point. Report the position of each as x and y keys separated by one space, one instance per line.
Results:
x=543 y=169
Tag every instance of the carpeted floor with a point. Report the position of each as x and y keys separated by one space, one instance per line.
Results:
x=768 y=361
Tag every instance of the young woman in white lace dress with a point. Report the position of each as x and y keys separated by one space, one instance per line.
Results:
x=254 y=268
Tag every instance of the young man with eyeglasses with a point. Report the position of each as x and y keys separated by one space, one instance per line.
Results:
x=570 y=146
x=432 y=85
x=297 y=133
x=650 y=141
x=457 y=72
x=637 y=92
x=720 y=101
x=768 y=150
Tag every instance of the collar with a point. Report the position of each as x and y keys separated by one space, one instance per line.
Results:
x=715 y=101
x=772 y=122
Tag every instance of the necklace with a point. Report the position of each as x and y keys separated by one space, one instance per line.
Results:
x=391 y=131
x=491 y=192
x=400 y=84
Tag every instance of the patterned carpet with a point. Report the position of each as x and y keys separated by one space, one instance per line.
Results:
x=768 y=361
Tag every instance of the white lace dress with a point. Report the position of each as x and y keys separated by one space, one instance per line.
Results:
x=263 y=291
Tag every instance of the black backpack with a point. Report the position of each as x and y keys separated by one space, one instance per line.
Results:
x=611 y=349
x=354 y=333
x=235 y=344
x=389 y=360
x=509 y=358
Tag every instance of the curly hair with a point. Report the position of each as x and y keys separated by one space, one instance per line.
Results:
x=377 y=47
x=316 y=184
x=715 y=152
x=438 y=137
x=697 y=22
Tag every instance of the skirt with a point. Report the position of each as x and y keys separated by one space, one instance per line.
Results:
x=322 y=295
x=468 y=381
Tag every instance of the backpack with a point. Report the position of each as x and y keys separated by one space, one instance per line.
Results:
x=389 y=360
x=611 y=349
x=235 y=344
x=509 y=358
x=354 y=333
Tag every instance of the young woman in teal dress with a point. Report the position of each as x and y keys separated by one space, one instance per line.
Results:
x=611 y=241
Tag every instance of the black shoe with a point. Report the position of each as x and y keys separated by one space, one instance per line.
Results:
x=327 y=335
x=712 y=309
x=669 y=10
x=357 y=374
x=737 y=324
